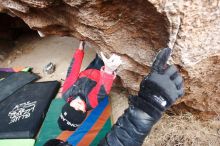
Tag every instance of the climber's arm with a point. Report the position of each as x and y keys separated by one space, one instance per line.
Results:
x=74 y=68
x=102 y=88
x=158 y=91
x=107 y=76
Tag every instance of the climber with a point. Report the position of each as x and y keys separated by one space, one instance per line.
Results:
x=158 y=91
x=84 y=90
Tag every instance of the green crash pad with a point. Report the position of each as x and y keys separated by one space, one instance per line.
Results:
x=17 y=142
x=50 y=129
x=92 y=130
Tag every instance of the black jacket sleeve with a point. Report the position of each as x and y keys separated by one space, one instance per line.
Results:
x=130 y=129
x=158 y=91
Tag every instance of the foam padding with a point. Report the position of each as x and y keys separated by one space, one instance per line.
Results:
x=50 y=128
x=5 y=72
x=14 y=82
x=16 y=69
x=92 y=130
x=17 y=142
x=22 y=113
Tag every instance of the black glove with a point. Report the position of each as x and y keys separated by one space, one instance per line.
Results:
x=161 y=88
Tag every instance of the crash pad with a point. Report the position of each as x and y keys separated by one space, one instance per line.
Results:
x=5 y=72
x=92 y=130
x=22 y=112
x=14 y=82
x=16 y=69
x=50 y=128
x=17 y=142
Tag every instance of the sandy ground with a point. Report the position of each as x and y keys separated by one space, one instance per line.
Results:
x=179 y=130
x=36 y=52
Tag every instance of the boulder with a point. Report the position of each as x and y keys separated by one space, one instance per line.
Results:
x=136 y=30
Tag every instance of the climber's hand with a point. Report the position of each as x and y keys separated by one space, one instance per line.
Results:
x=41 y=34
x=78 y=104
x=112 y=63
x=82 y=45
x=164 y=84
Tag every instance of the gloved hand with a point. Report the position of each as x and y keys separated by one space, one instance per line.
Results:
x=112 y=63
x=82 y=45
x=78 y=104
x=161 y=88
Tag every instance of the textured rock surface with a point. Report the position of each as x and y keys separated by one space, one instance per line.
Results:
x=136 y=30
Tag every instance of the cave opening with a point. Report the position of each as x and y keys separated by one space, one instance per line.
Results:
x=11 y=28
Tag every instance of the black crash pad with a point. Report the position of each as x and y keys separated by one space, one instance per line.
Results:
x=5 y=74
x=22 y=113
x=14 y=82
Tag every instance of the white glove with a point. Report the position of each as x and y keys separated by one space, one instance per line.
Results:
x=82 y=45
x=41 y=34
x=112 y=63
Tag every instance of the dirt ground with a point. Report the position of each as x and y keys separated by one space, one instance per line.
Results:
x=36 y=52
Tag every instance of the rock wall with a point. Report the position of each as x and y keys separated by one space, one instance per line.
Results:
x=136 y=30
